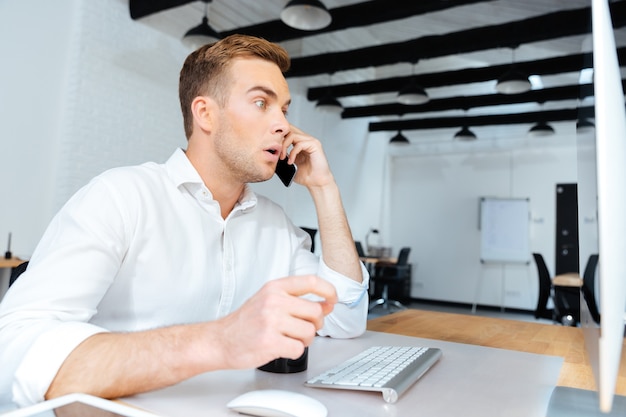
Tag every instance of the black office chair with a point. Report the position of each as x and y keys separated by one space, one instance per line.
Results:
x=564 y=298
x=389 y=273
x=589 y=287
x=17 y=271
x=312 y=232
x=545 y=289
x=359 y=249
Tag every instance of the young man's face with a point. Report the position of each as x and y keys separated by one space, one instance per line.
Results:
x=253 y=123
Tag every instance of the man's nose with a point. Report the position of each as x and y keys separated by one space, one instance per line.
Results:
x=282 y=126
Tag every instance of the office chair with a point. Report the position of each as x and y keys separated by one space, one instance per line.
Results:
x=17 y=271
x=566 y=310
x=312 y=232
x=359 y=249
x=389 y=273
x=545 y=289
x=589 y=287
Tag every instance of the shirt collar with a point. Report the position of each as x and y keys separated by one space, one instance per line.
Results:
x=180 y=170
x=183 y=173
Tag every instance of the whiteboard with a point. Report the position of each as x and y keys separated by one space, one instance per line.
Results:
x=504 y=226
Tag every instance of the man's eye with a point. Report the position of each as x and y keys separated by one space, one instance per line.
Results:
x=260 y=103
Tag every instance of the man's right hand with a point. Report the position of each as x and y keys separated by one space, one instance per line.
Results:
x=276 y=321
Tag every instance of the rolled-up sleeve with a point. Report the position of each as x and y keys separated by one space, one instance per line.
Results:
x=44 y=358
x=349 y=317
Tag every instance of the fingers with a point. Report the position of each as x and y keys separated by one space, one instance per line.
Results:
x=307 y=284
x=303 y=317
x=308 y=154
x=277 y=321
x=298 y=317
x=299 y=141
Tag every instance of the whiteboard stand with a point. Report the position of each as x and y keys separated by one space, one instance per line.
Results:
x=503 y=288
x=479 y=287
x=477 y=292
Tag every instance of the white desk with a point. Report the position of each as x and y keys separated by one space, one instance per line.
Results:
x=468 y=381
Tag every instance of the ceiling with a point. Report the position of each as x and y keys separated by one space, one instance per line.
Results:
x=456 y=49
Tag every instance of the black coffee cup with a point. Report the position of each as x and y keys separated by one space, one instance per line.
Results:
x=287 y=366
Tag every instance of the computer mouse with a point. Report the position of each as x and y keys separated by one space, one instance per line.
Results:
x=277 y=403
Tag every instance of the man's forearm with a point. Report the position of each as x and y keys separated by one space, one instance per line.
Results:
x=275 y=322
x=335 y=235
x=113 y=365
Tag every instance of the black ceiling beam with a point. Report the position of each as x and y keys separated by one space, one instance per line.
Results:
x=356 y=15
x=141 y=8
x=570 y=92
x=549 y=66
x=535 y=29
x=485 y=120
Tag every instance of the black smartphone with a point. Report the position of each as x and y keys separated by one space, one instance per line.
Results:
x=286 y=171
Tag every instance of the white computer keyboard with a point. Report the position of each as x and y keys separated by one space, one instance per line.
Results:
x=388 y=369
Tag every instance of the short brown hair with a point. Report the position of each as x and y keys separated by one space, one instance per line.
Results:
x=204 y=71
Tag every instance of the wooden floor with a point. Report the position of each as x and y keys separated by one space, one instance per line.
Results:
x=464 y=309
x=521 y=335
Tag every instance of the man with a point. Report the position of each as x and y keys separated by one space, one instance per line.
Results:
x=153 y=274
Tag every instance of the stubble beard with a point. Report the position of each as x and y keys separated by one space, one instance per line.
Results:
x=240 y=164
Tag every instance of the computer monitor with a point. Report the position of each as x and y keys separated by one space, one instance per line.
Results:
x=603 y=188
x=610 y=116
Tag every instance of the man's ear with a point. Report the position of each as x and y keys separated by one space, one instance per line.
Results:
x=202 y=109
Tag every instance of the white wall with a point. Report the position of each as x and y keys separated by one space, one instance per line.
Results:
x=91 y=89
x=82 y=90
x=435 y=206
x=33 y=87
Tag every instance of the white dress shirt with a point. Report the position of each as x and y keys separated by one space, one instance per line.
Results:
x=143 y=247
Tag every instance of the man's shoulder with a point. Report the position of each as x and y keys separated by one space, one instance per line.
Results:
x=146 y=169
x=132 y=177
x=266 y=203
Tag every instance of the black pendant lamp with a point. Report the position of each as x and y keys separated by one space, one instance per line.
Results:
x=541 y=129
x=412 y=93
x=514 y=81
x=329 y=104
x=306 y=15
x=201 y=34
x=399 y=139
x=465 y=134
x=584 y=126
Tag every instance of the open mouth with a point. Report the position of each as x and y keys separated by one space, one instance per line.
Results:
x=274 y=150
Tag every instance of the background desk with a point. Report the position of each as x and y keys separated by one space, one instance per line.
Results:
x=399 y=290
x=10 y=263
x=547 y=339
x=468 y=381
x=5 y=274
x=370 y=262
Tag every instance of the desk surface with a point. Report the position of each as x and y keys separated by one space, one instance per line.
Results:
x=490 y=366
x=545 y=339
x=468 y=381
